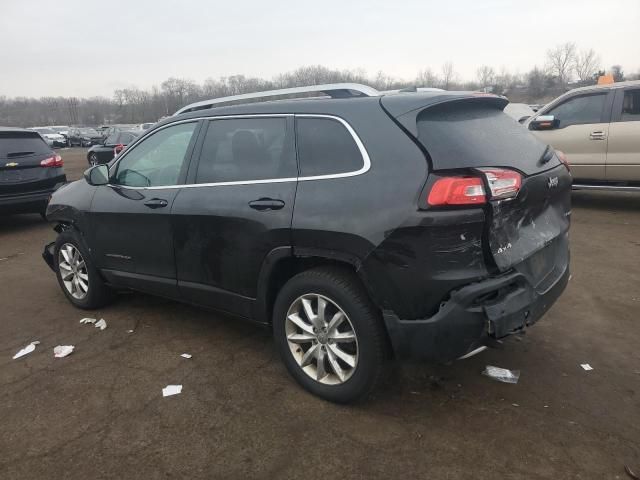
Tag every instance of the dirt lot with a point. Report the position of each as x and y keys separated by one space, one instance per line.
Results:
x=99 y=413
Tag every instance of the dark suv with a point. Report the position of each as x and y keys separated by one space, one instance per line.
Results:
x=30 y=171
x=360 y=227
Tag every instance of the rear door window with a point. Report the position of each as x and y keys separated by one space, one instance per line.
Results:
x=579 y=110
x=325 y=147
x=21 y=144
x=246 y=149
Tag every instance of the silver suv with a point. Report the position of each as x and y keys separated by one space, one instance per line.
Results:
x=598 y=129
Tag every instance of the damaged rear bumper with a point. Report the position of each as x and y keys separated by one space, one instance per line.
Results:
x=474 y=316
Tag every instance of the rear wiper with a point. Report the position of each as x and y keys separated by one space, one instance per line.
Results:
x=547 y=155
x=19 y=154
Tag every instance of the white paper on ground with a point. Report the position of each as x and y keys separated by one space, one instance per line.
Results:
x=502 y=374
x=129 y=331
x=62 y=350
x=586 y=366
x=28 y=349
x=186 y=355
x=171 y=390
x=88 y=320
x=101 y=324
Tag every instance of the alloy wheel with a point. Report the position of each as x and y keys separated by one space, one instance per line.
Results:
x=73 y=271
x=93 y=159
x=322 y=339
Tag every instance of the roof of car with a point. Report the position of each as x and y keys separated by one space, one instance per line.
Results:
x=398 y=103
x=14 y=129
x=630 y=83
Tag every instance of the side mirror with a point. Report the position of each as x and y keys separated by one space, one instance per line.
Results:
x=97 y=175
x=543 y=122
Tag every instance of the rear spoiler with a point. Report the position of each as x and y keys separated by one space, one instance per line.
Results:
x=405 y=108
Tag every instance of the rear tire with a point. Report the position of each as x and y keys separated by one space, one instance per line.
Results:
x=323 y=358
x=76 y=273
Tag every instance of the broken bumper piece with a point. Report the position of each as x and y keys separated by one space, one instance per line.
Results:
x=473 y=316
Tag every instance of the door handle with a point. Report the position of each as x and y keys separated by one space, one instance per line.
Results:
x=597 y=135
x=156 y=203
x=266 y=204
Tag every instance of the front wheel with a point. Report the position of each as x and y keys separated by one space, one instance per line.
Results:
x=77 y=276
x=330 y=335
x=93 y=159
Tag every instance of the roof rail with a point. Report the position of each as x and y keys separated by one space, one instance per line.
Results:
x=333 y=90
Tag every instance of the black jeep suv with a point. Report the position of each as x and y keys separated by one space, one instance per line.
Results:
x=359 y=227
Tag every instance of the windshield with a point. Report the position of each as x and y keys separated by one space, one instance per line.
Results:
x=88 y=131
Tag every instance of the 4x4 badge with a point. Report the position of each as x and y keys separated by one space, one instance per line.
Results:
x=552 y=182
x=11 y=164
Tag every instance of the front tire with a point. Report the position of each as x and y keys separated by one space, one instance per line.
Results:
x=77 y=276
x=330 y=335
x=93 y=160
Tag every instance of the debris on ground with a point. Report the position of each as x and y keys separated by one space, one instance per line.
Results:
x=171 y=390
x=515 y=404
x=101 y=324
x=129 y=331
x=586 y=366
x=186 y=355
x=88 y=320
x=62 y=350
x=28 y=349
x=502 y=374
x=631 y=473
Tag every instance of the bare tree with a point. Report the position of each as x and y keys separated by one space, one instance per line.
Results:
x=586 y=63
x=486 y=76
x=562 y=60
x=448 y=75
x=426 y=78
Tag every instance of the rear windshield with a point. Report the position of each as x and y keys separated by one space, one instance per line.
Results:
x=468 y=135
x=19 y=144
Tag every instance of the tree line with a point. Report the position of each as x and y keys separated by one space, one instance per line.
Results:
x=566 y=67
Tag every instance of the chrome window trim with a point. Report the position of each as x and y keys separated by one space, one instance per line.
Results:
x=363 y=151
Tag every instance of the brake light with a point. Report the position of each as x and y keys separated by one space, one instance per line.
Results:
x=503 y=183
x=563 y=158
x=457 y=191
x=54 y=161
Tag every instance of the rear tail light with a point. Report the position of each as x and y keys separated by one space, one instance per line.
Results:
x=503 y=183
x=457 y=191
x=54 y=161
x=469 y=190
x=563 y=158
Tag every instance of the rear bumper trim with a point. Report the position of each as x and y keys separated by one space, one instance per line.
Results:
x=474 y=316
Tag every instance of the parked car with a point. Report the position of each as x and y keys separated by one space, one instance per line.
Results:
x=145 y=126
x=598 y=129
x=62 y=130
x=110 y=130
x=53 y=138
x=83 y=136
x=419 y=225
x=30 y=171
x=111 y=147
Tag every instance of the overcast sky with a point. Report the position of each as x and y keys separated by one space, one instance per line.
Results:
x=87 y=48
